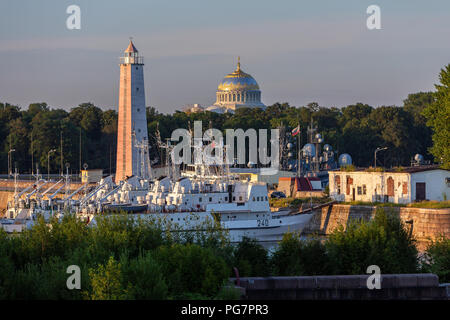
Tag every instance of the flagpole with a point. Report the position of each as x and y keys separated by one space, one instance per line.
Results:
x=299 y=152
x=298 y=147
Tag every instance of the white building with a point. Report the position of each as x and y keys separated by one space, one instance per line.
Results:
x=401 y=186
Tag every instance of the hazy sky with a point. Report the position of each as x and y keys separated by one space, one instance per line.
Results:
x=298 y=51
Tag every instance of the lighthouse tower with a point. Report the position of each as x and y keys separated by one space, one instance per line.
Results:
x=132 y=135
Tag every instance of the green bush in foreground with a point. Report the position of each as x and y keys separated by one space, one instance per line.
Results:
x=300 y=257
x=143 y=278
x=251 y=259
x=384 y=241
x=437 y=259
x=106 y=281
x=123 y=260
x=191 y=269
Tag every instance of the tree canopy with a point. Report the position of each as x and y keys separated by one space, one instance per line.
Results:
x=437 y=114
x=87 y=134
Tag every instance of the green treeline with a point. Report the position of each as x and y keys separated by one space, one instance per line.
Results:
x=88 y=134
x=121 y=259
x=357 y=129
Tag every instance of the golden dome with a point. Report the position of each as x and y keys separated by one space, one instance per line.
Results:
x=238 y=81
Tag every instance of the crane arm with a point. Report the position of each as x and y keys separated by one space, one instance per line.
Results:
x=51 y=187
x=90 y=195
x=75 y=192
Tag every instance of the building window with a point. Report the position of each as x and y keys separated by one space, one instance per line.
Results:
x=199 y=199
x=359 y=190
x=390 y=187
x=210 y=199
x=405 y=188
x=137 y=89
x=240 y=198
x=226 y=198
x=349 y=183
x=364 y=189
x=338 y=184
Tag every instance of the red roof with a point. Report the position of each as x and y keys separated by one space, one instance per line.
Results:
x=131 y=48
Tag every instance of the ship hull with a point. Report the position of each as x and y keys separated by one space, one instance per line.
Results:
x=265 y=229
x=273 y=232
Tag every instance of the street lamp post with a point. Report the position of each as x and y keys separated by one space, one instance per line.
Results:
x=10 y=161
x=48 y=163
x=378 y=149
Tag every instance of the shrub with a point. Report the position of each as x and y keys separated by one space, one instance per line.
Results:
x=118 y=233
x=384 y=241
x=348 y=168
x=295 y=257
x=251 y=259
x=106 y=282
x=143 y=278
x=437 y=258
x=228 y=293
x=190 y=269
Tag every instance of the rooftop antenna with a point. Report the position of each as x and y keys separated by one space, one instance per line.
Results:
x=37 y=175
x=16 y=174
x=61 y=150
x=80 y=150
x=110 y=158
x=147 y=154
x=67 y=181
x=32 y=156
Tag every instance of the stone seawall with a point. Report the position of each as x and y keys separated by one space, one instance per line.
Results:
x=426 y=224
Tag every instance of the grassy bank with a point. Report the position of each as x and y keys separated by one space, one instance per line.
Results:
x=422 y=204
x=431 y=204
